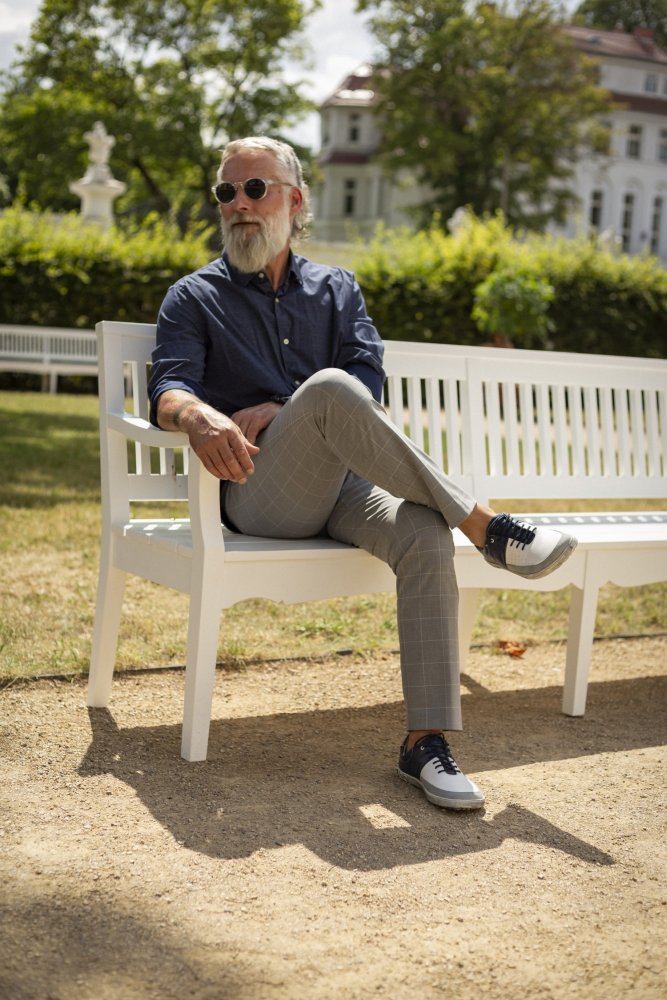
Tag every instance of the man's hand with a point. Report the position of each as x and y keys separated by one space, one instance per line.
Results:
x=253 y=419
x=216 y=439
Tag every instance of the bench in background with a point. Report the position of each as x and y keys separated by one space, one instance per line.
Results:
x=507 y=424
x=48 y=352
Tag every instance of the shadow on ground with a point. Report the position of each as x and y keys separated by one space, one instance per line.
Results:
x=92 y=947
x=305 y=777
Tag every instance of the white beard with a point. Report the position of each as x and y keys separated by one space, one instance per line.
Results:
x=251 y=248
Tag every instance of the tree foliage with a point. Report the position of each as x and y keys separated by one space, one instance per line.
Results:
x=488 y=105
x=626 y=14
x=172 y=80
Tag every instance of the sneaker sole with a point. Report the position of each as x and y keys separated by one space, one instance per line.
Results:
x=561 y=555
x=442 y=801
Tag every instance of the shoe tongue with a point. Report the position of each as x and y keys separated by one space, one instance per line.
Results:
x=432 y=738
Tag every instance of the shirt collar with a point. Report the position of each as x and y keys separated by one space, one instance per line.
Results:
x=242 y=278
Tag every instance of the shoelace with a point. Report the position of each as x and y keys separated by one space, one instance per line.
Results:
x=442 y=755
x=518 y=532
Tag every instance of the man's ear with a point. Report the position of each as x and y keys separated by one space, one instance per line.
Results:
x=295 y=200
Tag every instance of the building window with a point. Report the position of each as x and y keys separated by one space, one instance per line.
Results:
x=595 y=215
x=626 y=221
x=662 y=145
x=349 y=196
x=656 y=224
x=633 y=147
x=651 y=83
x=353 y=130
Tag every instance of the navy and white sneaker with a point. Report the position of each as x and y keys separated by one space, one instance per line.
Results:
x=431 y=767
x=524 y=548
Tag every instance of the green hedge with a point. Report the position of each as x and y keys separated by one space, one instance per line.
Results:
x=62 y=272
x=539 y=292
x=428 y=285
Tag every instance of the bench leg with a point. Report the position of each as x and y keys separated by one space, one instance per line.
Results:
x=583 y=608
x=203 y=629
x=468 y=605
x=105 y=634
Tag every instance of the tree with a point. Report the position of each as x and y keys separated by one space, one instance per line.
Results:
x=626 y=14
x=489 y=108
x=172 y=80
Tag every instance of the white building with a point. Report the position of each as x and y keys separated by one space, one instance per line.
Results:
x=623 y=193
x=356 y=193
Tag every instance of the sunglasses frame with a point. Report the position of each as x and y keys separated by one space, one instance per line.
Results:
x=243 y=184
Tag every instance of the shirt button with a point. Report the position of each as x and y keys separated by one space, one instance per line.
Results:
x=261 y=274
x=285 y=341
x=277 y=300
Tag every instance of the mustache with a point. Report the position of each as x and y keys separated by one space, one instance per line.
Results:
x=241 y=217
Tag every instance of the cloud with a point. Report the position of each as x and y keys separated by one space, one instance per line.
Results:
x=14 y=21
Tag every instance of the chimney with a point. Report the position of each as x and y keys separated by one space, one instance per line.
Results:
x=645 y=37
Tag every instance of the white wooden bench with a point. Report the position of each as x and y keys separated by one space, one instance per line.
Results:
x=506 y=423
x=48 y=351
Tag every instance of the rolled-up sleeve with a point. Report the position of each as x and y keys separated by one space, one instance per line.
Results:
x=361 y=349
x=179 y=357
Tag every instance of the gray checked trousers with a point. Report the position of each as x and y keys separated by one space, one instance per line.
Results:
x=332 y=463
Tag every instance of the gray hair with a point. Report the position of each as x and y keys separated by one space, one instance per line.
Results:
x=287 y=159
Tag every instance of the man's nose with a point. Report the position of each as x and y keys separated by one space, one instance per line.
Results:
x=241 y=201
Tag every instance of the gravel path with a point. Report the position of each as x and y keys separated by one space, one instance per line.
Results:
x=295 y=863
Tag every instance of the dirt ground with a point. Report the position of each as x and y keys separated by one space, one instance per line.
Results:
x=294 y=863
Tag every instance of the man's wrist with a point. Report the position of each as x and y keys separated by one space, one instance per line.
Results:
x=180 y=410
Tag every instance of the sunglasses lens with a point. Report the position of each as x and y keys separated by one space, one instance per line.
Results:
x=225 y=192
x=255 y=188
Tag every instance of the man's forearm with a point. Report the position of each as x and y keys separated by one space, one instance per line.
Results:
x=174 y=408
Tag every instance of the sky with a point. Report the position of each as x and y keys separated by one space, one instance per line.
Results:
x=337 y=35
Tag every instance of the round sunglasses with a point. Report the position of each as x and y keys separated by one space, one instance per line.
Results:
x=255 y=189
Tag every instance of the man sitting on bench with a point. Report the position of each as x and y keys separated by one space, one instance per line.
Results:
x=272 y=367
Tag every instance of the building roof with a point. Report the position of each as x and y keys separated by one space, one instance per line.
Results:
x=638 y=45
x=354 y=91
x=344 y=156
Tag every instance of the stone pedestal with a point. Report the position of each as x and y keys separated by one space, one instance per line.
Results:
x=97 y=189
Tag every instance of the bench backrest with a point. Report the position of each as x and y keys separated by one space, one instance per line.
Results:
x=535 y=424
x=504 y=423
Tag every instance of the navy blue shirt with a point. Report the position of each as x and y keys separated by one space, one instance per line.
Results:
x=232 y=341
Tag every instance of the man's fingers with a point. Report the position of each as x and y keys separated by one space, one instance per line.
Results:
x=252 y=420
x=225 y=463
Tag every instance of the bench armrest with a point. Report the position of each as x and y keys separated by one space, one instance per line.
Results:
x=142 y=431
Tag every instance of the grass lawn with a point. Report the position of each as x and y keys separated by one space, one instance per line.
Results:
x=50 y=518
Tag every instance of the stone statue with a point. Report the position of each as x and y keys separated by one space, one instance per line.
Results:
x=97 y=189
x=101 y=144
